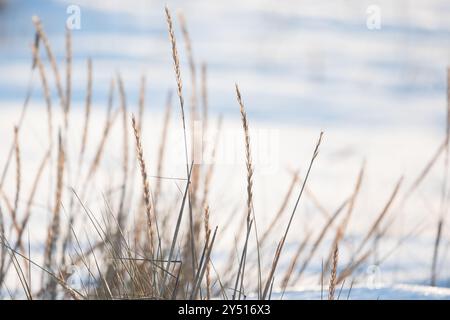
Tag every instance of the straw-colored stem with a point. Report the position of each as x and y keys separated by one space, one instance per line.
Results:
x=87 y=111
x=68 y=96
x=208 y=264
x=18 y=178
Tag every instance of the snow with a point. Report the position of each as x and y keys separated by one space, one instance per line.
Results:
x=382 y=292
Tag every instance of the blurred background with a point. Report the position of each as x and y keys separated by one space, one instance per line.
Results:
x=358 y=63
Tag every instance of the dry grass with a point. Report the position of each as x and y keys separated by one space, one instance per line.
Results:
x=145 y=184
x=54 y=65
x=87 y=112
x=170 y=256
x=332 y=286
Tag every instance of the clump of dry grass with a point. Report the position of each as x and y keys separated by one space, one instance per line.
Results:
x=171 y=260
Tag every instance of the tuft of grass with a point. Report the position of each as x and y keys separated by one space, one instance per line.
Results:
x=161 y=257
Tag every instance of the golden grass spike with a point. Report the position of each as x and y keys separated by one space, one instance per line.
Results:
x=332 y=286
x=176 y=63
x=176 y=59
x=248 y=156
x=145 y=184
x=249 y=218
x=193 y=115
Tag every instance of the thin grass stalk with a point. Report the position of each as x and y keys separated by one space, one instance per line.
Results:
x=18 y=179
x=162 y=146
x=380 y=217
x=345 y=221
x=141 y=213
x=42 y=36
x=47 y=96
x=175 y=234
x=176 y=64
x=125 y=159
x=106 y=129
x=194 y=113
x=208 y=264
x=75 y=294
x=249 y=167
x=435 y=253
x=20 y=274
x=444 y=192
x=293 y=263
x=241 y=261
x=351 y=268
x=283 y=239
x=423 y=173
x=319 y=239
x=68 y=96
x=24 y=109
x=54 y=230
x=87 y=112
x=295 y=178
x=2 y=248
x=201 y=272
x=248 y=156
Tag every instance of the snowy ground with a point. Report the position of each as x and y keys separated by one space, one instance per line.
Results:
x=393 y=292
x=303 y=67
